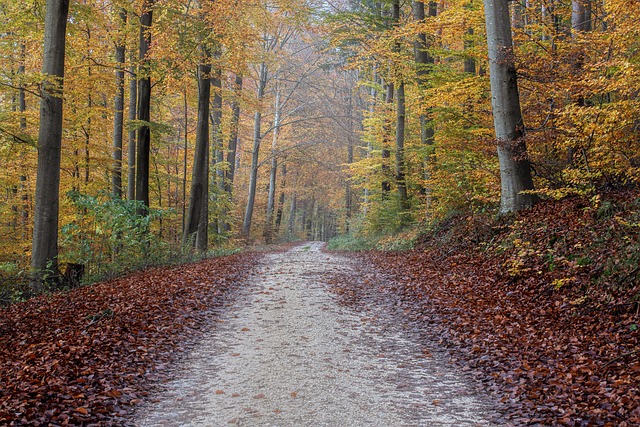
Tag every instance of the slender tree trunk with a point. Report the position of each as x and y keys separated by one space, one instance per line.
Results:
x=233 y=138
x=131 y=155
x=257 y=136
x=217 y=179
x=118 y=118
x=348 y=196
x=279 y=211
x=400 y=158
x=44 y=251
x=22 y=108
x=184 y=159
x=292 y=215
x=199 y=178
x=469 y=62
x=580 y=23
x=515 y=170
x=216 y=121
x=144 y=110
x=268 y=225
x=373 y=101
x=386 y=152
x=231 y=150
x=424 y=62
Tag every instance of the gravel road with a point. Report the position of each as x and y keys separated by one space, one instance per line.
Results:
x=285 y=353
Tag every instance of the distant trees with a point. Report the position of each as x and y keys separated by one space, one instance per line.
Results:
x=423 y=125
x=544 y=82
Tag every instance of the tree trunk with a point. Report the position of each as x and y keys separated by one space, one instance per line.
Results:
x=144 y=110
x=580 y=16
x=216 y=120
x=217 y=178
x=131 y=155
x=424 y=63
x=279 y=212
x=273 y=172
x=292 y=216
x=400 y=160
x=386 y=153
x=231 y=151
x=469 y=62
x=184 y=158
x=233 y=138
x=22 y=108
x=257 y=136
x=199 y=177
x=44 y=251
x=118 y=117
x=580 y=23
x=515 y=170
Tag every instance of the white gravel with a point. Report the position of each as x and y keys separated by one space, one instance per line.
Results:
x=286 y=354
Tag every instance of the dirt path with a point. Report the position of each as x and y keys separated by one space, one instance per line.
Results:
x=284 y=353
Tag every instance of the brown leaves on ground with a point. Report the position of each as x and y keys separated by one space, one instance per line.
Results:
x=554 y=352
x=86 y=356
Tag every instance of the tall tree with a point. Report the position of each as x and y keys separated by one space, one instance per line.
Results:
x=144 y=109
x=401 y=181
x=268 y=226
x=515 y=169
x=231 y=150
x=118 y=117
x=131 y=148
x=44 y=252
x=196 y=215
x=263 y=76
x=400 y=125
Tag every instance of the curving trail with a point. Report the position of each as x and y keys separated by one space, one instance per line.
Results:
x=285 y=353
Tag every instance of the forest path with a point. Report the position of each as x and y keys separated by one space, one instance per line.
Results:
x=285 y=353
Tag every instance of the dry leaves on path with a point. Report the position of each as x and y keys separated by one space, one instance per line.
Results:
x=555 y=355
x=87 y=356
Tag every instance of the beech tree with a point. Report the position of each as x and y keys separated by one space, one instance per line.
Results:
x=515 y=170
x=44 y=252
x=144 y=109
x=197 y=213
x=118 y=120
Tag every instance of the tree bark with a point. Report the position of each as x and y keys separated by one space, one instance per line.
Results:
x=199 y=177
x=118 y=117
x=273 y=172
x=44 y=251
x=144 y=110
x=217 y=178
x=233 y=138
x=386 y=153
x=257 y=136
x=292 y=215
x=400 y=160
x=580 y=23
x=131 y=155
x=232 y=146
x=469 y=62
x=279 y=211
x=22 y=108
x=424 y=63
x=515 y=170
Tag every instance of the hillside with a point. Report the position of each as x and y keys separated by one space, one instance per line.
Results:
x=544 y=307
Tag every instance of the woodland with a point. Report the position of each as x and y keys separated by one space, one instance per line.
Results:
x=487 y=154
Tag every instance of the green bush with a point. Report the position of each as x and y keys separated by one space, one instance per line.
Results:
x=109 y=237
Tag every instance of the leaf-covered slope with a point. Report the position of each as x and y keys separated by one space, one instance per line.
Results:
x=85 y=356
x=544 y=307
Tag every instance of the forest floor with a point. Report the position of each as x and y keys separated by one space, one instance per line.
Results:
x=531 y=320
